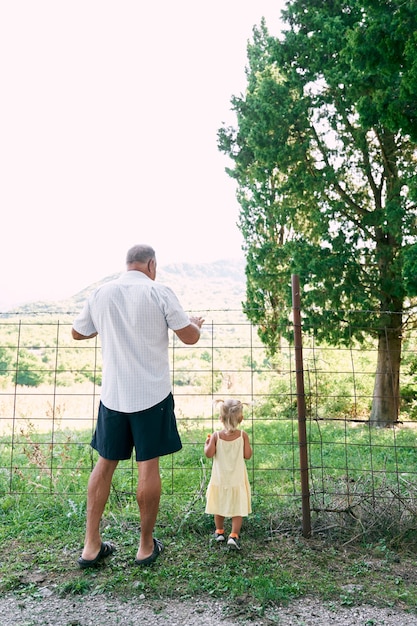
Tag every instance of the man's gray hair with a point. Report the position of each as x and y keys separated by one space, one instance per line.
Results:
x=140 y=253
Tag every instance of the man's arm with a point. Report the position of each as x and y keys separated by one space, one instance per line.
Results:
x=77 y=335
x=190 y=334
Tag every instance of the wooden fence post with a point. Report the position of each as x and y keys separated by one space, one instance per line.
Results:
x=301 y=406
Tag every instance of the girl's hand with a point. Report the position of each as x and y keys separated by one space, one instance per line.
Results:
x=210 y=445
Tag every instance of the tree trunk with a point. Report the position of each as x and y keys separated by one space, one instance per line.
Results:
x=386 y=395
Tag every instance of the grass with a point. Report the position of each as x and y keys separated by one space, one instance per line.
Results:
x=41 y=540
x=362 y=550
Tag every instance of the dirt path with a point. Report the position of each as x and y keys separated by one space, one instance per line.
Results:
x=51 y=610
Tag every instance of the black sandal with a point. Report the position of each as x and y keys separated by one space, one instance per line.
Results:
x=106 y=550
x=158 y=547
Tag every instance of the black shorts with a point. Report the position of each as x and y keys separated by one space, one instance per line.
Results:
x=152 y=432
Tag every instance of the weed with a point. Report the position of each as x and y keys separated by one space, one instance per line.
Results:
x=75 y=587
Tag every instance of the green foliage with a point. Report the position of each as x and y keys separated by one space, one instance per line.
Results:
x=323 y=167
x=410 y=269
x=28 y=370
x=206 y=356
x=22 y=367
x=324 y=155
x=5 y=361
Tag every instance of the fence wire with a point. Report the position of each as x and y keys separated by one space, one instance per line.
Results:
x=50 y=390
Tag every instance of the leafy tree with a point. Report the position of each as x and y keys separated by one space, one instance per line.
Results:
x=28 y=370
x=5 y=361
x=324 y=155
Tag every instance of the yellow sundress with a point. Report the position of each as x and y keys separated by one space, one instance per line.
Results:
x=228 y=492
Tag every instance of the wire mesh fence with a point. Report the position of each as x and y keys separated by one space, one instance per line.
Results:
x=50 y=391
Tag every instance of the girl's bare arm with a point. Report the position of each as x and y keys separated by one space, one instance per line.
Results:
x=210 y=445
x=247 y=450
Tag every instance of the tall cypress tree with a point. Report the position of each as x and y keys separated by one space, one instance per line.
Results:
x=325 y=159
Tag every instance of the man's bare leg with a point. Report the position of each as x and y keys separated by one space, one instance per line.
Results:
x=97 y=495
x=148 y=496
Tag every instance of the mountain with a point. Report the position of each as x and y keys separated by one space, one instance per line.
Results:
x=201 y=287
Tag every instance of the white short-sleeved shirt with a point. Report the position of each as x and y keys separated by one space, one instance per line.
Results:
x=132 y=316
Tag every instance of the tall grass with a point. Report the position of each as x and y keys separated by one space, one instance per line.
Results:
x=341 y=455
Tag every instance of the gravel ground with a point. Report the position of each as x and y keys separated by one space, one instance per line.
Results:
x=51 y=610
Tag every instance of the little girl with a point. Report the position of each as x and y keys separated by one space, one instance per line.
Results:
x=228 y=492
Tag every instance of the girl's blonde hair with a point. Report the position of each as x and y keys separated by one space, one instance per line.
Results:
x=231 y=413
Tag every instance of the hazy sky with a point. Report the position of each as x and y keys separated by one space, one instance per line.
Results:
x=109 y=114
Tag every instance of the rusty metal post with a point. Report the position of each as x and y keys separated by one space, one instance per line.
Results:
x=301 y=406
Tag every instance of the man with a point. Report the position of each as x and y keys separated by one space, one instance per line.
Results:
x=132 y=315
